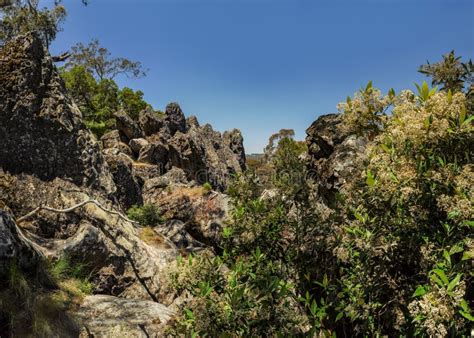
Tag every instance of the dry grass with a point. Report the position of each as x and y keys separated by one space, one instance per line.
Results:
x=151 y=237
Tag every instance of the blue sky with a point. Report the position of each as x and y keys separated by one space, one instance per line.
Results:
x=264 y=65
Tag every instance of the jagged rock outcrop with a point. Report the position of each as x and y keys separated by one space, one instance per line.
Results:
x=126 y=126
x=335 y=157
x=234 y=140
x=48 y=158
x=150 y=122
x=171 y=141
x=175 y=119
x=205 y=156
x=40 y=127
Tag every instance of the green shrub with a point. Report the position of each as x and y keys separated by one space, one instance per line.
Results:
x=207 y=187
x=146 y=215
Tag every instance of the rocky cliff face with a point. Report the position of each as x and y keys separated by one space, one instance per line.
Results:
x=48 y=158
x=40 y=128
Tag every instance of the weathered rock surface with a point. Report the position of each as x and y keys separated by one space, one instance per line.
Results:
x=196 y=216
x=108 y=316
x=120 y=262
x=48 y=158
x=128 y=128
x=40 y=128
x=150 y=122
x=175 y=119
x=14 y=247
x=206 y=156
x=234 y=140
x=128 y=188
x=334 y=157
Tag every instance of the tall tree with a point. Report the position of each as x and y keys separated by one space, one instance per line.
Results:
x=23 y=16
x=98 y=60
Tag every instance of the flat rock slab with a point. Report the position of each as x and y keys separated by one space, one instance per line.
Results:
x=109 y=316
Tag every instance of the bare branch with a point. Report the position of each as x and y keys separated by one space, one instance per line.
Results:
x=74 y=207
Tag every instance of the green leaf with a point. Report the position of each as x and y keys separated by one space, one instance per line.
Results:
x=428 y=121
x=463 y=304
x=325 y=281
x=370 y=178
x=450 y=96
x=369 y=86
x=385 y=148
x=447 y=257
x=455 y=249
x=314 y=307
x=437 y=280
x=189 y=314
x=469 y=119
x=441 y=275
x=454 y=282
x=391 y=93
x=467 y=255
x=467 y=315
x=462 y=115
x=420 y=291
x=339 y=316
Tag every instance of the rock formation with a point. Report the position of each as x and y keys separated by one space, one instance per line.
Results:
x=334 y=157
x=40 y=128
x=63 y=194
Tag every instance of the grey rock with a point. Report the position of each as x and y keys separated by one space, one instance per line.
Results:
x=175 y=118
x=126 y=126
x=108 y=316
x=234 y=140
x=128 y=189
x=14 y=247
x=150 y=122
x=154 y=153
x=137 y=144
x=334 y=158
x=206 y=156
x=40 y=127
x=191 y=122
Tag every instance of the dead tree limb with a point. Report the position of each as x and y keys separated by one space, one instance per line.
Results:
x=74 y=207
x=61 y=58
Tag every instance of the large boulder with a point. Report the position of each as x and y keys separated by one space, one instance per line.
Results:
x=154 y=153
x=40 y=127
x=335 y=158
x=127 y=127
x=150 y=122
x=108 y=316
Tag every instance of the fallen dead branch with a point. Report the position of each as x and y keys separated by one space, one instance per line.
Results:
x=74 y=207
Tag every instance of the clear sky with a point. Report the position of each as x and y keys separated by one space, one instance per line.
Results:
x=263 y=65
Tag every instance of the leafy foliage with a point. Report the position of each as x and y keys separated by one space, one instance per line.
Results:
x=22 y=16
x=98 y=61
x=148 y=214
x=99 y=100
x=393 y=255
